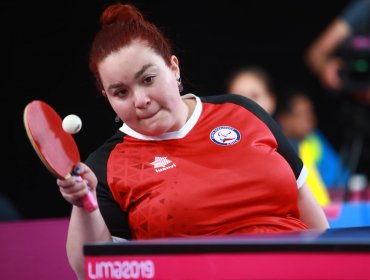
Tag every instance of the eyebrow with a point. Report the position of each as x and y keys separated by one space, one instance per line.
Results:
x=142 y=70
x=137 y=75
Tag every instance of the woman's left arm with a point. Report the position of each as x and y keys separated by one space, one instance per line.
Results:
x=312 y=213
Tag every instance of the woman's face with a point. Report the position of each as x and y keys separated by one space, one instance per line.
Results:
x=249 y=85
x=143 y=90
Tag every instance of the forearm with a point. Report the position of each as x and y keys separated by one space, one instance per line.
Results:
x=321 y=50
x=316 y=219
x=84 y=227
x=311 y=212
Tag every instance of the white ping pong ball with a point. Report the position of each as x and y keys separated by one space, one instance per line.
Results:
x=72 y=124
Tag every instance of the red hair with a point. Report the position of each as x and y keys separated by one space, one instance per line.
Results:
x=120 y=25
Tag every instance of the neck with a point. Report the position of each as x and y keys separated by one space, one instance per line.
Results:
x=190 y=107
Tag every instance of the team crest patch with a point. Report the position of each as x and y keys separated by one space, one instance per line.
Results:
x=225 y=135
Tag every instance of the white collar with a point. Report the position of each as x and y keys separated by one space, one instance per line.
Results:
x=178 y=134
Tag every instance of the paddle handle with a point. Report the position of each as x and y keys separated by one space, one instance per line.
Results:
x=89 y=202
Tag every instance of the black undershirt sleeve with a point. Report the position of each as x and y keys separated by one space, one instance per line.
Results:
x=115 y=219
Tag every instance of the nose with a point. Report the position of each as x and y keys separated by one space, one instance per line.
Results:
x=141 y=99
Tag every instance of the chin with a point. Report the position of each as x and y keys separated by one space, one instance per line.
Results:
x=157 y=127
x=154 y=132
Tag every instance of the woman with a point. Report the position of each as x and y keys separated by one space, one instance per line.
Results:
x=179 y=166
x=253 y=82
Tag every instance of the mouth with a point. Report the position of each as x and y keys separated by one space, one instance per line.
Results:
x=147 y=116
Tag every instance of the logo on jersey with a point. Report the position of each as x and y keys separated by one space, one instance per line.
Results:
x=225 y=135
x=162 y=163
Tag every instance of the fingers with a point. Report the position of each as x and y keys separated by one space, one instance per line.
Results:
x=76 y=198
x=72 y=185
x=86 y=173
x=73 y=189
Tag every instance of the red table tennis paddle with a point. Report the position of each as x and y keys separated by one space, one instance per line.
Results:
x=56 y=148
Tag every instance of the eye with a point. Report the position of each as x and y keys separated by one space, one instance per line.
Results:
x=148 y=80
x=120 y=92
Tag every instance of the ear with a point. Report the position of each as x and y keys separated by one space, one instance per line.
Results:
x=175 y=68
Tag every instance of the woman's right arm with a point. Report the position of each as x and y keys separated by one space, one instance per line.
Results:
x=84 y=226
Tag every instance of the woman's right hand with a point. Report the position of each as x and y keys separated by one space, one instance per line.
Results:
x=76 y=187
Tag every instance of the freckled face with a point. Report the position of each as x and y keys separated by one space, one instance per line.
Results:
x=143 y=90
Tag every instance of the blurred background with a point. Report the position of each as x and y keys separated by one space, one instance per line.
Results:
x=46 y=49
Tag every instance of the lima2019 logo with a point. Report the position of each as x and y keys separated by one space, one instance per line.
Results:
x=225 y=135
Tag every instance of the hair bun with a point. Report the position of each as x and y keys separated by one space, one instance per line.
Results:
x=120 y=13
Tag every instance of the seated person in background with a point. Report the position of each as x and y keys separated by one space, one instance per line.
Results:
x=296 y=116
x=255 y=83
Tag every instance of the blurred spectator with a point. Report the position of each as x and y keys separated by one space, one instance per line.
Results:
x=255 y=83
x=331 y=54
x=297 y=118
x=340 y=57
